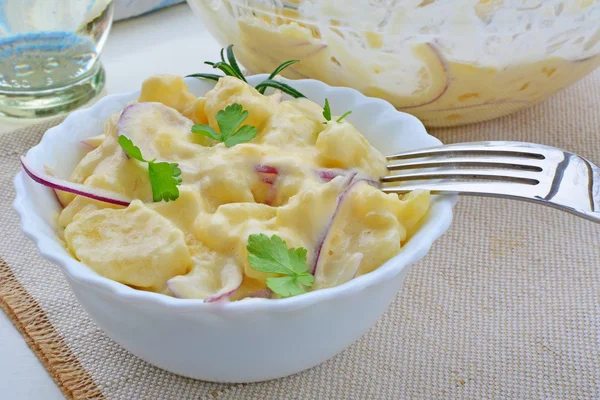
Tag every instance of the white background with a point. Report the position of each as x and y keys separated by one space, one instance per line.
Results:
x=170 y=41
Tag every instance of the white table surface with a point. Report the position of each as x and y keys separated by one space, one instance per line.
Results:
x=172 y=41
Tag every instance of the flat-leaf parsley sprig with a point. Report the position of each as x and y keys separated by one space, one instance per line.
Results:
x=231 y=68
x=164 y=176
x=327 y=113
x=271 y=255
x=229 y=121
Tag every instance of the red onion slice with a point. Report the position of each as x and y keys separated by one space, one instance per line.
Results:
x=350 y=183
x=347 y=186
x=71 y=187
x=232 y=280
x=194 y=284
x=265 y=169
x=269 y=175
x=220 y=296
x=329 y=174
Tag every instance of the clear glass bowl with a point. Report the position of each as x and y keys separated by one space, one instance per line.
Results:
x=448 y=62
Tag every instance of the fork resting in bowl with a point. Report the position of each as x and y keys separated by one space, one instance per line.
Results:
x=521 y=171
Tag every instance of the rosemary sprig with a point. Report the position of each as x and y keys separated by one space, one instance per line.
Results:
x=344 y=115
x=233 y=62
x=327 y=113
x=231 y=68
x=212 y=77
x=277 y=70
x=279 y=85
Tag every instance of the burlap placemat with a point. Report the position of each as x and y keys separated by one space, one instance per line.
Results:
x=506 y=305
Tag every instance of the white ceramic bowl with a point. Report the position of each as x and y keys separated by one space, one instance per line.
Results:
x=245 y=341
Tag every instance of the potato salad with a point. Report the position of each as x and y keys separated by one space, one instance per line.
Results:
x=446 y=62
x=233 y=195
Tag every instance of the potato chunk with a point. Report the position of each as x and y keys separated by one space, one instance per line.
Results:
x=169 y=90
x=230 y=90
x=136 y=246
x=340 y=145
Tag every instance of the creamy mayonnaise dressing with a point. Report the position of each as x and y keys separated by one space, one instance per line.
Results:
x=308 y=182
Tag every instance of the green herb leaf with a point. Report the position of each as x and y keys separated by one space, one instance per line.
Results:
x=212 y=77
x=281 y=67
x=242 y=135
x=327 y=113
x=132 y=150
x=344 y=115
x=232 y=68
x=233 y=62
x=230 y=118
x=271 y=255
x=327 y=110
x=284 y=87
x=226 y=68
x=206 y=130
x=229 y=121
x=285 y=286
x=277 y=71
x=164 y=176
x=306 y=279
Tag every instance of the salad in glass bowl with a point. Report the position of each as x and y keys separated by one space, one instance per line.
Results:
x=447 y=62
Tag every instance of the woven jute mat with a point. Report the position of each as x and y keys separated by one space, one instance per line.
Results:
x=506 y=304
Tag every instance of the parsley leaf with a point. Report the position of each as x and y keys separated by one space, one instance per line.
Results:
x=229 y=121
x=272 y=255
x=242 y=135
x=164 y=176
x=285 y=286
x=206 y=130
x=230 y=118
x=132 y=150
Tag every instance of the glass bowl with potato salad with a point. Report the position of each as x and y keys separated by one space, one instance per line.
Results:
x=447 y=62
x=235 y=194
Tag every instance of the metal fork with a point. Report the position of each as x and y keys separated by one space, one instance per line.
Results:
x=522 y=171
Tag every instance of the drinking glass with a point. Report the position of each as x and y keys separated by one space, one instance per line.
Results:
x=49 y=53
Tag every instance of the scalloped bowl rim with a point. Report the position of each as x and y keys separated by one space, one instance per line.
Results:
x=437 y=222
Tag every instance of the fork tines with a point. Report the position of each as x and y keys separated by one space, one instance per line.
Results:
x=474 y=162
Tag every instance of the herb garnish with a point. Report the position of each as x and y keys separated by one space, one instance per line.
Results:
x=272 y=255
x=231 y=68
x=229 y=120
x=164 y=176
x=327 y=113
